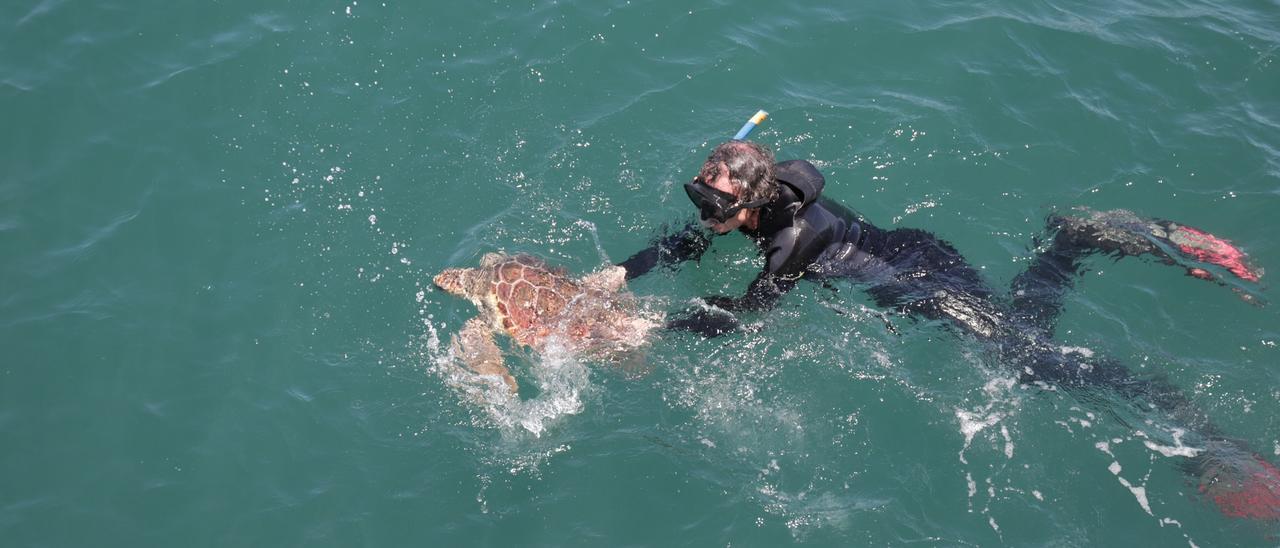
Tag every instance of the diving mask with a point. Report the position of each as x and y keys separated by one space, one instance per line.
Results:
x=717 y=205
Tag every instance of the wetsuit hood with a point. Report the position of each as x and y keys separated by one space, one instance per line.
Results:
x=803 y=179
x=799 y=184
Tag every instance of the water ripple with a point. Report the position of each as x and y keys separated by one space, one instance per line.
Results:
x=217 y=48
x=39 y=10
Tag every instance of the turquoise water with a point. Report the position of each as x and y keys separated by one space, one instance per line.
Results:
x=219 y=222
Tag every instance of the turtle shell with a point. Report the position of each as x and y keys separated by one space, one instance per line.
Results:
x=530 y=296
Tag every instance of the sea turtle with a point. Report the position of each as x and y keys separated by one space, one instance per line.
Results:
x=530 y=301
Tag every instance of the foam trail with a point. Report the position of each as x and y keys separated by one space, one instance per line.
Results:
x=595 y=237
x=1139 y=492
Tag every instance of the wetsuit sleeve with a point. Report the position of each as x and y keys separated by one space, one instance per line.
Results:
x=761 y=296
x=790 y=253
x=763 y=293
x=687 y=244
x=707 y=322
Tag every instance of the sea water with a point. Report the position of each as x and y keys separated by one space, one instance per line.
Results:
x=219 y=222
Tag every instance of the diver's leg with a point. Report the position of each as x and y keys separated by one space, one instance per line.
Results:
x=1234 y=477
x=1120 y=232
x=1123 y=233
x=1036 y=293
x=1237 y=479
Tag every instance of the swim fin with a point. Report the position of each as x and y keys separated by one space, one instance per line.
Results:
x=1203 y=255
x=1243 y=485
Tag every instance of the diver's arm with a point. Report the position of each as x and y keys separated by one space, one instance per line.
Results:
x=687 y=244
x=705 y=321
x=790 y=254
x=718 y=318
x=761 y=295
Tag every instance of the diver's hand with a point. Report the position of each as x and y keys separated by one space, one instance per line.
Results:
x=707 y=322
x=722 y=302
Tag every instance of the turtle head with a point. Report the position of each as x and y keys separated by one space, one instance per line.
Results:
x=462 y=282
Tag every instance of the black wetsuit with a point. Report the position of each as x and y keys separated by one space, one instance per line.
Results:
x=804 y=235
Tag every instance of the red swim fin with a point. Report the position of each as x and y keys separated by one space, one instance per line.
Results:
x=1200 y=246
x=1249 y=489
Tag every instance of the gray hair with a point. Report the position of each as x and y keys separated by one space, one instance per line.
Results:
x=750 y=169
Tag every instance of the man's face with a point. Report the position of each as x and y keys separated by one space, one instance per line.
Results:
x=721 y=183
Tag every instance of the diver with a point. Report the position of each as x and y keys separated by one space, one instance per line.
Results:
x=804 y=235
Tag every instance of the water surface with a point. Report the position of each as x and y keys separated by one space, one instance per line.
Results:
x=219 y=223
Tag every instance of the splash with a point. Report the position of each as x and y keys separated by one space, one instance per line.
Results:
x=561 y=380
x=974 y=421
x=752 y=424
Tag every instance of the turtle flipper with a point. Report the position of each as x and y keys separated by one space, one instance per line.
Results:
x=635 y=364
x=476 y=347
x=611 y=278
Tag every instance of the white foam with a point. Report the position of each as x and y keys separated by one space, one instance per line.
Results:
x=560 y=378
x=1105 y=448
x=1139 y=493
x=971 y=423
x=1178 y=450
x=1076 y=350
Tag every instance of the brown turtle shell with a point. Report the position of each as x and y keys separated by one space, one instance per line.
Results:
x=530 y=296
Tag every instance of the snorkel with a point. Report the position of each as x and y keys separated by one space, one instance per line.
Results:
x=751 y=124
